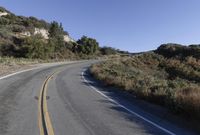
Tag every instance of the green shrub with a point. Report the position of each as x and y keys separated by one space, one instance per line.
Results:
x=87 y=45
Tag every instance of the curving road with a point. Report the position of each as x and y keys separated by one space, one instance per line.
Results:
x=64 y=100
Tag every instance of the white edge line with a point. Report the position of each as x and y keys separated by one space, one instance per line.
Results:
x=41 y=66
x=9 y=75
x=132 y=112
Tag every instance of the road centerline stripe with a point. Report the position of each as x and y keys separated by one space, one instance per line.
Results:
x=45 y=125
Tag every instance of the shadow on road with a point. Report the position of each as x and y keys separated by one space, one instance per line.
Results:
x=125 y=99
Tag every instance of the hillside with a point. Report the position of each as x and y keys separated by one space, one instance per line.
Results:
x=168 y=76
x=29 y=37
x=21 y=26
x=18 y=31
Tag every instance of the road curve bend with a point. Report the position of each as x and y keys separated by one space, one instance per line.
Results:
x=64 y=100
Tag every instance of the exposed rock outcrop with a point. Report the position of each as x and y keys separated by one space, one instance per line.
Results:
x=3 y=14
x=42 y=31
x=44 y=34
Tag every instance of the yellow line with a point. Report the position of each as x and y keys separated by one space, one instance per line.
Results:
x=47 y=120
x=46 y=113
x=40 y=112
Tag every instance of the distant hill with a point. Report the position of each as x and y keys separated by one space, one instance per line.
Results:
x=179 y=51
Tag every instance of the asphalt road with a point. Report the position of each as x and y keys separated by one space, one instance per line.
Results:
x=63 y=100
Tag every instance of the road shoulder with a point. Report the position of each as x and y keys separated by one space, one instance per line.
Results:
x=162 y=115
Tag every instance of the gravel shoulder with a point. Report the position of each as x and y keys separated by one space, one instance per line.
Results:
x=8 y=69
x=12 y=67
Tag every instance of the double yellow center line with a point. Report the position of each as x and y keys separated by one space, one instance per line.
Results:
x=45 y=125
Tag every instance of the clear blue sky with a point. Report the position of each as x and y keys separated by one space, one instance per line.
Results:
x=132 y=25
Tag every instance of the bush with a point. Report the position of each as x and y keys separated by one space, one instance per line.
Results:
x=4 y=21
x=87 y=45
x=108 y=51
x=171 y=82
x=18 y=28
x=8 y=49
x=35 y=47
x=188 y=101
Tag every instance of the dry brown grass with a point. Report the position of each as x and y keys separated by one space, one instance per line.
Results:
x=188 y=100
x=169 y=82
x=9 y=64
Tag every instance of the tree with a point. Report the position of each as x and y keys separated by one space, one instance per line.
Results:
x=56 y=36
x=35 y=47
x=88 y=45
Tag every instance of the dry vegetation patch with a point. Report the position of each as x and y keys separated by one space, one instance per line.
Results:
x=9 y=65
x=172 y=82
